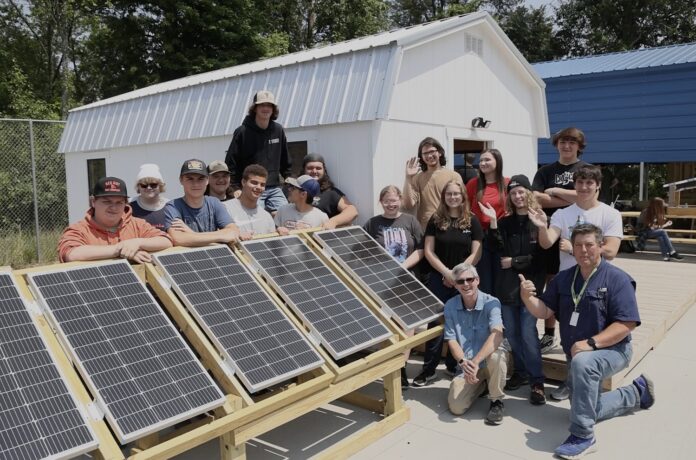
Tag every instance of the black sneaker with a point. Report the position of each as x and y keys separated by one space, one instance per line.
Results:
x=424 y=379
x=404 y=379
x=537 y=396
x=495 y=413
x=676 y=256
x=515 y=382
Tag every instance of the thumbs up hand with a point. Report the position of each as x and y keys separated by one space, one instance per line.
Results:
x=527 y=288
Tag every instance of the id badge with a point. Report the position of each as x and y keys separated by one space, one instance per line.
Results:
x=574 y=318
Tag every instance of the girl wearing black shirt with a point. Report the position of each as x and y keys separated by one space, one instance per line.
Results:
x=453 y=236
x=514 y=237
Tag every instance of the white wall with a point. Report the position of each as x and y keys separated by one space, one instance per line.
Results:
x=347 y=149
x=439 y=84
x=124 y=163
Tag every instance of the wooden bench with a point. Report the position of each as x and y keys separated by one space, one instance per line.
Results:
x=674 y=240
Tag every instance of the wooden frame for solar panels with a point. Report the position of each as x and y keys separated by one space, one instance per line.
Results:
x=257 y=400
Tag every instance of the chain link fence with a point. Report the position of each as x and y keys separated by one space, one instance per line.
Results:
x=33 y=200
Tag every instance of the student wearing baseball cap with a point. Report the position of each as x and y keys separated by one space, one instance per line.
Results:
x=109 y=229
x=261 y=140
x=196 y=219
x=300 y=213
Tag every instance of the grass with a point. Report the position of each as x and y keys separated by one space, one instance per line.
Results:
x=18 y=250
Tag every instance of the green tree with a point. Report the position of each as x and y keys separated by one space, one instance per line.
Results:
x=406 y=13
x=529 y=28
x=302 y=24
x=600 y=26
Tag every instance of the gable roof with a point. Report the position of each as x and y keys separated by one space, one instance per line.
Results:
x=625 y=60
x=344 y=82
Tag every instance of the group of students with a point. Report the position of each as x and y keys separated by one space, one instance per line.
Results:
x=505 y=236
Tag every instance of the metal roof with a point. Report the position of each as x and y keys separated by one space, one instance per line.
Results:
x=626 y=60
x=344 y=82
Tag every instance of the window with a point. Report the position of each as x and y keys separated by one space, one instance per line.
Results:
x=96 y=169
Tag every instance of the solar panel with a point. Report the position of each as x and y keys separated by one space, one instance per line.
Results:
x=141 y=372
x=400 y=294
x=336 y=317
x=39 y=418
x=257 y=340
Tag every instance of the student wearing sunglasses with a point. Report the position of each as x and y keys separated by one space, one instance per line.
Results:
x=149 y=203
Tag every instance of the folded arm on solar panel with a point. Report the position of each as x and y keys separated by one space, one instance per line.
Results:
x=135 y=249
x=347 y=212
x=228 y=234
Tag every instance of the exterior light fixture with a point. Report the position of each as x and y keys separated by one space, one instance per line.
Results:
x=479 y=122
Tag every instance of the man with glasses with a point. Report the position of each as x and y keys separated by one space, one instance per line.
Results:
x=300 y=213
x=109 y=229
x=474 y=332
x=595 y=303
x=197 y=219
x=426 y=176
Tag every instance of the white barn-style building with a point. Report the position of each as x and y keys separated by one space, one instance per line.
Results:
x=363 y=104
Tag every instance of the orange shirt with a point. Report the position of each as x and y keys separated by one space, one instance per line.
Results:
x=88 y=232
x=490 y=196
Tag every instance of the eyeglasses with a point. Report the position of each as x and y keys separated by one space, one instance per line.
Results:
x=152 y=185
x=430 y=152
x=453 y=194
x=469 y=280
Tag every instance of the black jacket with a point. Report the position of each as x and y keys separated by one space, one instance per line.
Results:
x=516 y=237
x=253 y=145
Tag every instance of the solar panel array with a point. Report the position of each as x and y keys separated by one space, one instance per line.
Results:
x=247 y=327
x=142 y=373
x=39 y=417
x=337 y=318
x=400 y=294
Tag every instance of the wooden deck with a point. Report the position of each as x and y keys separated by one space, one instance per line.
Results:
x=666 y=290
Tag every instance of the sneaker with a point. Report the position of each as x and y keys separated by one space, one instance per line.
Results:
x=575 y=447
x=561 y=393
x=537 y=396
x=515 y=382
x=666 y=258
x=404 y=379
x=424 y=379
x=646 y=391
x=548 y=343
x=495 y=413
x=676 y=256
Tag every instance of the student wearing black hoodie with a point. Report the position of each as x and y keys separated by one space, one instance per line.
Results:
x=260 y=140
x=514 y=237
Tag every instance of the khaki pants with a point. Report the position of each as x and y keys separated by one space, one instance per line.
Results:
x=462 y=394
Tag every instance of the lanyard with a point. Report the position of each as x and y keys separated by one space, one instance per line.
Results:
x=578 y=297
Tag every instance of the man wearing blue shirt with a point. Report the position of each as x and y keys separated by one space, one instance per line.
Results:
x=595 y=303
x=474 y=332
x=196 y=219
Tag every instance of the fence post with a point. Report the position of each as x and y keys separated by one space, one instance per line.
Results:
x=33 y=185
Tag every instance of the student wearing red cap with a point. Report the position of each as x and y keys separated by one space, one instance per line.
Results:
x=109 y=229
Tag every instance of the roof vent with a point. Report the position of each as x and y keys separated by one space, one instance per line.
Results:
x=473 y=44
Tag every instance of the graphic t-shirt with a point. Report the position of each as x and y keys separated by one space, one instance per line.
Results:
x=400 y=236
x=327 y=201
x=556 y=175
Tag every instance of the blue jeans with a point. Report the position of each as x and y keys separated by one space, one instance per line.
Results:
x=521 y=332
x=433 y=347
x=488 y=268
x=588 y=405
x=662 y=237
x=272 y=198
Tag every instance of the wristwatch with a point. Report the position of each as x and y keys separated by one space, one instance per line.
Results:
x=591 y=342
x=461 y=361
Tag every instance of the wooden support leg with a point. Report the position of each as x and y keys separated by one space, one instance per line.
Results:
x=392 y=392
x=146 y=442
x=228 y=451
